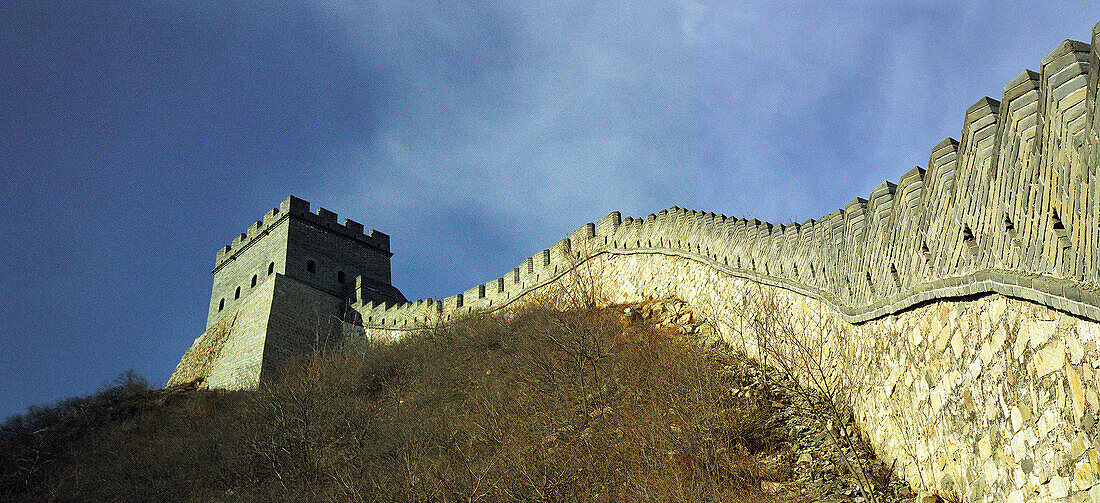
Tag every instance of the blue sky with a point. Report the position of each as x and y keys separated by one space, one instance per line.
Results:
x=137 y=138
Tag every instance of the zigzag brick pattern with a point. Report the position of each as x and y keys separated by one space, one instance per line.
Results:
x=1011 y=208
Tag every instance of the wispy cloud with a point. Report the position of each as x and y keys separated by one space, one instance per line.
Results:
x=807 y=105
x=539 y=116
x=547 y=114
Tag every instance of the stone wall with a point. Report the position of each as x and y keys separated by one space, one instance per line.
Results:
x=1012 y=208
x=280 y=319
x=302 y=319
x=983 y=398
x=229 y=354
x=961 y=303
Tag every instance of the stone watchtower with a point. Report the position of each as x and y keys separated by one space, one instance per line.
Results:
x=281 y=288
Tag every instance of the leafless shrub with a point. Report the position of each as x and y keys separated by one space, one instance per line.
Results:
x=808 y=354
x=546 y=403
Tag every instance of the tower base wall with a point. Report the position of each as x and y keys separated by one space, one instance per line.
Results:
x=281 y=318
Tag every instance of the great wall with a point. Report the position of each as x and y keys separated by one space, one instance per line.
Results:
x=963 y=301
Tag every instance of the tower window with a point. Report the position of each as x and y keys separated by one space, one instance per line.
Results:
x=238 y=294
x=340 y=276
x=253 y=280
x=311 y=266
x=271 y=268
x=221 y=304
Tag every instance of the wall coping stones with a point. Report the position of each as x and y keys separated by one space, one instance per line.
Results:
x=942 y=234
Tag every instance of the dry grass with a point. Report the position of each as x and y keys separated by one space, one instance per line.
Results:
x=540 y=405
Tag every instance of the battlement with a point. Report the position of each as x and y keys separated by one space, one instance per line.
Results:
x=1012 y=207
x=293 y=207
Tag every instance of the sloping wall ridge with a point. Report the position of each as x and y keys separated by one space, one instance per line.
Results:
x=1013 y=207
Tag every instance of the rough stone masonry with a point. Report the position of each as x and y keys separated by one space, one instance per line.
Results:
x=963 y=301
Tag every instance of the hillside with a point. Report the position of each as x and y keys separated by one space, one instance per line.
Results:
x=625 y=403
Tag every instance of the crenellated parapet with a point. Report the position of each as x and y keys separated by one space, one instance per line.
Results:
x=299 y=208
x=1012 y=207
